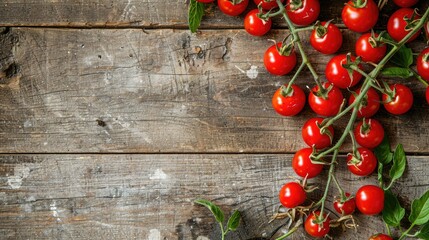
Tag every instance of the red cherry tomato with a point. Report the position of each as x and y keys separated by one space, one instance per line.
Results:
x=292 y=195
x=360 y=18
x=267 y=4
x=401 y=102
x=369 y=105
x=380 y=236
x=278 y=64
x=367 y=52
x=288 y=105
x=405 y=3
x=366 y=164
x=329 y=106
x=427 y=95
x=256 y=26
x=369 y=133
x=304 y=13
x=303 y=166
x=312 y=226
x=345 y=208
x=396 y=26
x=370 y=200
x=327 y=40
x=423 y=64
x=312 y=135
x=205 y=1
x=338 y=75
x=231 y=9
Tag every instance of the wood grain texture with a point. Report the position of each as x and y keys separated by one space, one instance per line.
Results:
x=160 y=91
x=134 y=196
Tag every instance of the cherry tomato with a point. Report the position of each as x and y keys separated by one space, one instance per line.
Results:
x=338 y=75
x=326 y=40
x=256 y=26
x=423 y=64
x=292 y=195
x=367 y=52
x=303 y=166
x=370 y=199
x=312 y=225
x=231 y=9
x=380 y=236
x=405 y=3
x=312 y=135
x=401 y=102
x=365 y=165
x=369 y=105
x=288 y=105
x=427 y=95
x=304 y=12
x=369 y=133
x=360 y=18
x=345 y=208
x=278 y=64
x=396 y=26
x=205 y=1
x=329 y=106
x=267 y=4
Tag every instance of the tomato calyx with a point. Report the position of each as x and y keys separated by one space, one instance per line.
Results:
x=351 y=65
x=264 y=16
x=366 y=126
x=235 y=2
x=286 y=91
x=286 y=49
x=321 y=30
x=413 y=21
x=376 y=39
x=426 y=57
x=358 y=3
x=390 y=93
x=296 y=4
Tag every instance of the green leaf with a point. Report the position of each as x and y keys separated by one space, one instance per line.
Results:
x=392 y=211
x=399 y=162
x=234 y=221
x=403 y=58
x=383 y=153
x=397 y=72
x=217 y=213
x=423 y=233
x=195 y=14
x=420 y=210
x=380 y=173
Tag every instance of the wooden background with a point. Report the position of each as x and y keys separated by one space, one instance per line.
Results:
x=114 y=118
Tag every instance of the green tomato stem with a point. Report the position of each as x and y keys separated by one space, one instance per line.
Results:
x=416 y=75
x=223 y=233
x=388 y=229
x=328 y=182
x=295 y=76
x=404 y=234
x=287 y=234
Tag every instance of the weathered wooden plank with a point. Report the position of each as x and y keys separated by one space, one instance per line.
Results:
x=161 y=91
x=138 y=196
x=137 y=13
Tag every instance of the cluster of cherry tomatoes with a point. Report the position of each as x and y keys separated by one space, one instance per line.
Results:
x=326 y=99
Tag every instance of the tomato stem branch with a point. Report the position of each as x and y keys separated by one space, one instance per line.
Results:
x=295 y=76
x=404 y=234
x=287 y=234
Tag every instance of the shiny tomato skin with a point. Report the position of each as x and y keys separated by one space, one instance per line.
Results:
x=326 y=107
x=370 y=199
x=330 y=43
x=292 y=195
x=306 y=14
x=380 y=236
x=405 y=3
x=396 y=24
x=289 y=105
x=312 y=136
x=345 y=208
x=227 y=7
x=401 y=102
x=313 y=228
x=267 y=5
x=338 y=75
x=205 y=1
x=364 y=49
x=278 y=64
x=303 y=166
x=372 y=137
x=360 y=19
x=370 y=105
x=422 y=65
x=256 y=26
x=366 y=166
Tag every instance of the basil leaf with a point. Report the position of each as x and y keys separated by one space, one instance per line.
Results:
x=403 y=58
x=195 y=14
x=380 y=173
x=420 y=210
x=383 y=153
x=234 y=221
x=399 y=162
x=423 y=233
x=217 y=213
x=397 y=72
x=392 y=211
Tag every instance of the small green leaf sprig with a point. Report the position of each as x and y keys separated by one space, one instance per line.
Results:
x=195 y=14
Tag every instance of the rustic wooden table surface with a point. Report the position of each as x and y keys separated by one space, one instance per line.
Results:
x=114 y=118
